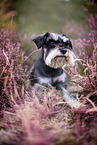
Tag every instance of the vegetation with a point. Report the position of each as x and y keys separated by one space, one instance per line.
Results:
x=31 y=117
x=6 y=14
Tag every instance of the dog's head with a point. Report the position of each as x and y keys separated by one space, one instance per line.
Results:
x=57 y=49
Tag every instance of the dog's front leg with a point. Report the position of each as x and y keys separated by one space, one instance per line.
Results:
x=71 y=101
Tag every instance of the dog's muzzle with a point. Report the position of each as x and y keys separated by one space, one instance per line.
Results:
x=60 y=57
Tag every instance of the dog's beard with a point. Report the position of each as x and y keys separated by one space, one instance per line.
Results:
x=57 y=60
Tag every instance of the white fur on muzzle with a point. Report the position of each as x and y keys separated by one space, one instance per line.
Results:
x=56 y=59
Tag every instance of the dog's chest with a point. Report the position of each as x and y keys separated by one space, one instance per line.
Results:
x=52 y=80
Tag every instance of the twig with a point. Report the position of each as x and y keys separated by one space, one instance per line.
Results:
x=7 y=60
x=89 y=95
x=66 y=71
x=91 y=102
x=31 y=54
x=92 y=110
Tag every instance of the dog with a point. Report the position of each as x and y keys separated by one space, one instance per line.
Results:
x=56 y=52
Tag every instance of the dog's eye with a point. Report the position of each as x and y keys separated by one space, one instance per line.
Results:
x=51 y=42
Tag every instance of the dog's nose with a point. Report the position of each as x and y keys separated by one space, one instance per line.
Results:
x=63 y=51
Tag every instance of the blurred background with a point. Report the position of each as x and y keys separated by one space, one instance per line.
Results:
x=39 y=16
x=32 y=17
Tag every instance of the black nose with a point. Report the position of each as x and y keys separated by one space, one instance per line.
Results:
x=63 y=51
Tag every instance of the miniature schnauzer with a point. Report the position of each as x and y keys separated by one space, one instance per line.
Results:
x=56 y=52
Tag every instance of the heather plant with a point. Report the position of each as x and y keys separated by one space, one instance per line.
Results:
x=84 y=73
x=33 y=116
x=39 y=123
x=12 y=72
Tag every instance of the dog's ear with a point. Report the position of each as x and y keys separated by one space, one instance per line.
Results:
x=40 y=39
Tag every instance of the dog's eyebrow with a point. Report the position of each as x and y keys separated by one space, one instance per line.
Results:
x=65 y=39
x=54 y=36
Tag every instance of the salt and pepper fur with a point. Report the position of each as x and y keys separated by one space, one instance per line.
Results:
x=55 y=54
